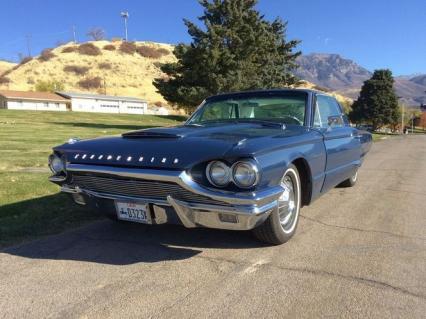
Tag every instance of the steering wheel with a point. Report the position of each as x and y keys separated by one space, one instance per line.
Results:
x=295 y=119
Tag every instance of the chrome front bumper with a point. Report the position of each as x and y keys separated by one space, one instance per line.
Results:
x=243 y=211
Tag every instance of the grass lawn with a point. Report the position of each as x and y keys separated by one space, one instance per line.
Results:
x=30 y=206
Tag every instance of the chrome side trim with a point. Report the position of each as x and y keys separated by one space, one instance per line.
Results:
x=183 y=179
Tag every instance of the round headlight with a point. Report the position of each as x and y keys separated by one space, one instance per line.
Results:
x=56 y=164
x=245 y=174
x=218 y=173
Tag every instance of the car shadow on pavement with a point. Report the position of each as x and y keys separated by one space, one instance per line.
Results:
x=115 y=243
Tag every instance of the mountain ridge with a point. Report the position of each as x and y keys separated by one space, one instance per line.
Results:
x=346 y=77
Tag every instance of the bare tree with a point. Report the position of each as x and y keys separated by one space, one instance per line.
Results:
x=96 y=34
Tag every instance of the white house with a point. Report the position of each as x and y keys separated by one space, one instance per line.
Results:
x=37 y=101
x=82 y=102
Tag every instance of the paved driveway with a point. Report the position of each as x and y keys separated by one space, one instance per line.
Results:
x=358 y=252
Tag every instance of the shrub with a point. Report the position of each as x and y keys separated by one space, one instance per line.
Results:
x=152 y=53
x=88 y=49
x=105 y=66
x=96 y=34
x=163 y=51
x=49 y=86
x=79 y=70
x=46 y=55
x=158 y=103
x=109 y=47
x=23 y=61
x=128 y=47
x=90 y=83
x=4 y=80
x=69 y=49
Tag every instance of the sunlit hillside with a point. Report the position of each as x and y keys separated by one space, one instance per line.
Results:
x=341 y=98
x=114 y=68
x=5 y=65
x=116 y=71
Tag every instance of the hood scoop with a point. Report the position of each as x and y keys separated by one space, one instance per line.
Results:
x=149 y=134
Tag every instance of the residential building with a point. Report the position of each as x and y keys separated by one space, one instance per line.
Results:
x=83 y=102
x=28 y=100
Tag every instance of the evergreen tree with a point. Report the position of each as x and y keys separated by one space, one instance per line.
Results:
x=236 y=50
x=377 y=103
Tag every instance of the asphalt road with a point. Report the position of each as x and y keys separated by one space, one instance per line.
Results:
x=358 y=252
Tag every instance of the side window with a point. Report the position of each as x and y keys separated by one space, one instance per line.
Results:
x=325 y=107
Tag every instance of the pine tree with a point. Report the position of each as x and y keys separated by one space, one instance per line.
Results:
x=377 y=103
x=236 y=50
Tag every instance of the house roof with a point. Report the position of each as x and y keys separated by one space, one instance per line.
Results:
x=30 y=95
x=71 y=95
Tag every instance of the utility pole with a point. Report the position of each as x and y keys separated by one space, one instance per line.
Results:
x=73 y=34
x=28 y=37
x=402 y=115
x=125 y=16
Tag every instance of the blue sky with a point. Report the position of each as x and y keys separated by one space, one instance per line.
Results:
x=374 y=33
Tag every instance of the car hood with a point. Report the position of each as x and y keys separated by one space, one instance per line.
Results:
x=177 y=147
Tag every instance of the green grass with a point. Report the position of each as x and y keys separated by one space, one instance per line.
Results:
x=382 y=136
x=30 y=206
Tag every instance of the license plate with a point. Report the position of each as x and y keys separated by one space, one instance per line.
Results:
x=134 y=212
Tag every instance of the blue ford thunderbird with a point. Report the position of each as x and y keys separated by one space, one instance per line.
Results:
x=242 y=161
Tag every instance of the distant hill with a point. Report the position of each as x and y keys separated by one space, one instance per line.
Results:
x=346 y=77
x=419 y=79
x=115 y=67
x=5 y=65
x=331 y=71
x=128 y=71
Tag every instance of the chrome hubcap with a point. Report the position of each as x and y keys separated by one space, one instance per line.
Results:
x=287 y=204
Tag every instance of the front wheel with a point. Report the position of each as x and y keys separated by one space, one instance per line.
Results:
x=282 y=223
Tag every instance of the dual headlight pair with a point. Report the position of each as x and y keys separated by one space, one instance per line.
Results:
x=244 y=174
x=56 y=164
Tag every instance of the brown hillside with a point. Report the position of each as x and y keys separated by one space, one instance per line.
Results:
x=128 y=73
x=124 y=68
x=5 y=65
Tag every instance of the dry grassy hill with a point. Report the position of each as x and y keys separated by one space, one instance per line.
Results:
x=5 y=65
x=341 y=98
x=115 y=67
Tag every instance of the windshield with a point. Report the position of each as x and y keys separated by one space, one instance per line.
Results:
x=282 y=108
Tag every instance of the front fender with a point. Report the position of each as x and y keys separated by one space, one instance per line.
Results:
x=275 y=162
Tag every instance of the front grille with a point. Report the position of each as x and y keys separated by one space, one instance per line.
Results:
x=139 y=188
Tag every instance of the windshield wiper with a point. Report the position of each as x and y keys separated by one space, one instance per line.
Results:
x=193 y=124
x=262 y=122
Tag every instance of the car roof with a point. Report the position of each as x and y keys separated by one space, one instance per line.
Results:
x=263 y=92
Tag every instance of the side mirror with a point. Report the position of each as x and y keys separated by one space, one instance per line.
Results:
x=335 y=120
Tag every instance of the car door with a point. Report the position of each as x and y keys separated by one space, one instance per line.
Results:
x=340 y=139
